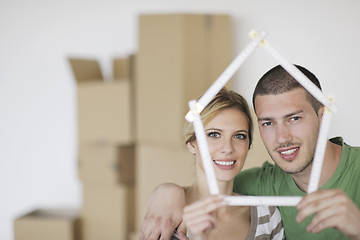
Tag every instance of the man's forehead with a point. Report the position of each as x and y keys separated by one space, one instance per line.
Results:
x=283 y=103
x=294 y=93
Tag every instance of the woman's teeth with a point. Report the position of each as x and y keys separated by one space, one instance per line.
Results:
x=224 y=163
x=288 y=152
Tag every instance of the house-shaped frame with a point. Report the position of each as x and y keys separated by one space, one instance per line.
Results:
x=197 y=106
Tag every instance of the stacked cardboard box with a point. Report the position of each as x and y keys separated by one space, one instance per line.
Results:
x=257 y=154
x=131 y=128
x=106 y=153
x=45 y=224
x=179 y=57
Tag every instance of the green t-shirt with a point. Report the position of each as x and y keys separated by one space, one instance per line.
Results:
x=270 y=180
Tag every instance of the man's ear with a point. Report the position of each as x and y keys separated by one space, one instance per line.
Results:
x=191 y=146
x=321 y=112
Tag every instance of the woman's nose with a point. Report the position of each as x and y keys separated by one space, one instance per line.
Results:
x=227 y=146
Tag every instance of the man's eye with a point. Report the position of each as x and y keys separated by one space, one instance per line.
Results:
x=295 y=118
x=214 y=134
x=266 y=124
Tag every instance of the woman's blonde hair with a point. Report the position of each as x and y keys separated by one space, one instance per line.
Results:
x=225 y=99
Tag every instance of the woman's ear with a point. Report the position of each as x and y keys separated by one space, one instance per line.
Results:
x=191 y=146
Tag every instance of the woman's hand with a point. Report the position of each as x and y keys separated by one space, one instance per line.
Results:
x=199 y=218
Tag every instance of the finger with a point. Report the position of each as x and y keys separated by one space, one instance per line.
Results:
x=345 y=217
x=165 y=234
x=321 y=194
x=146 y=228
x=201 y=218
x=201 y=227
x=208 y=200
x=203 y=207
x=317 y=225
x=312 y=208
x=167 y=229
x=181 y=230
x=153 y=230
x=318 y=202
x=182 y=236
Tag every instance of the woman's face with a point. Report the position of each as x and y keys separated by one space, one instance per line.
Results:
x=228 y=141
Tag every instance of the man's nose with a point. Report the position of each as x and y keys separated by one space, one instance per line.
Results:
x=283 y=134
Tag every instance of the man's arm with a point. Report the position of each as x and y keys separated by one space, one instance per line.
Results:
x=333 y=209
x=164 y=213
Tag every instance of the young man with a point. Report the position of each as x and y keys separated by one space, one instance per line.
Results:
x=289 y=119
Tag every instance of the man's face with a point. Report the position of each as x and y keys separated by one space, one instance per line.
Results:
x=289 y=128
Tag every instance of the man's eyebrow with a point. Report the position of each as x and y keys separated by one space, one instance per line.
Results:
x=292 y=114
x=286 y=116
x=264 y=119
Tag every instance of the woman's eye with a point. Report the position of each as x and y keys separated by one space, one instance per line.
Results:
x=241 y=136
x=214 y=134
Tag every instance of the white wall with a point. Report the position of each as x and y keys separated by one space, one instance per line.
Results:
x=38 y=136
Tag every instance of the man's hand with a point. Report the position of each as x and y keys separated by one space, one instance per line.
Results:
x=164 y=213
x=333 y=209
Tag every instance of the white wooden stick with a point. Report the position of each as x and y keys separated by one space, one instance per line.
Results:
x=300 y=77
x=262 y=200
x=204 y=149
x=319 y=151
x=227 y=74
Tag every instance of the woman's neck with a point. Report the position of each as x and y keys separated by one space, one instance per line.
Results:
x=200 y=190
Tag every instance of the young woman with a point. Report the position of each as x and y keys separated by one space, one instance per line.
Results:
x=228 y=128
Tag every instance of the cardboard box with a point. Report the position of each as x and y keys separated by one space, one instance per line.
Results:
x=105 y=112
x=45 y=224
x=124 y=68
x=86 y=69
x=179 y=57
x=156 y=164
x=108 y=212
x=107 y=165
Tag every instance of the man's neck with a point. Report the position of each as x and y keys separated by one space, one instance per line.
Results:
x=330 y=163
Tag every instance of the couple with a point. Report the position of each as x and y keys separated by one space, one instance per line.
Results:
x=289 y=119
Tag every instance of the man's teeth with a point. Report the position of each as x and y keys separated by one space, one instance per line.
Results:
x=224 y=163
x=288 y=152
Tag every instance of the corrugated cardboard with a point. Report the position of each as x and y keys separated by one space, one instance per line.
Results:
x=85 y=69
x=108 y=212
x=107 y=165
x=105 y=112
x=158 y=164
x=179 y=57
x=257 y=154
x=45 y=224
x=124 y=68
